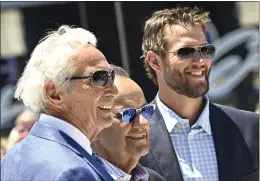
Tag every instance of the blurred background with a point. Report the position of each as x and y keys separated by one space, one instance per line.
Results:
x=118 y=26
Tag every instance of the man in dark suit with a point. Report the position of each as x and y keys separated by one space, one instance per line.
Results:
x=190 y=137
x=70 y=83
x=120 y=146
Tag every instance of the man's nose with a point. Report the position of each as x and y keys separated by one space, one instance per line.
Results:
x=141 y=121
x=111 y=89
x=198 y=59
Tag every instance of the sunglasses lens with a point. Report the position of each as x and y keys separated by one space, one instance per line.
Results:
x=147 y=112
x=208 y=51
x=100 y=78
x=186 y=53
x=129 y=115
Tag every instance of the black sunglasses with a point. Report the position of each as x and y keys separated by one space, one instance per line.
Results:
x=128 y=115
x=98 y=78
x=206 y=52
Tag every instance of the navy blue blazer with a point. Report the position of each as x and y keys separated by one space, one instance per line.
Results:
x=49 y=154
x=236 y=139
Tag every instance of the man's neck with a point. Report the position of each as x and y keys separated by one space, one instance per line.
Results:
x=86 y=129
x=185 y=107
x=122 y=160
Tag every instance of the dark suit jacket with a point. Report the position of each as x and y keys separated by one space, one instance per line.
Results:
x=154 y=176
x=236 y=139
x=49 y=154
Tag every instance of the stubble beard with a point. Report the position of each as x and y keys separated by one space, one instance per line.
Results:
x=180 y=83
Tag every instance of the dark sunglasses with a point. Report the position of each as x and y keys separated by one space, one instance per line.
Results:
x=206 y=52
x=128 y=115
x=98 y=78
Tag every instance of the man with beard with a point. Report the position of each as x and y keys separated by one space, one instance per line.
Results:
x=190 y=137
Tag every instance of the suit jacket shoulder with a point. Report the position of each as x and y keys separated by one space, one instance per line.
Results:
x=246 y=121
x=46 y=161
x=241 y=116
x=76 y=174
x=48 y=154
x=236 y=139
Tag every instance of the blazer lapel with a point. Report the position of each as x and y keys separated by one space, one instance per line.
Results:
x=224 y=140
x=162 y=149
x=89 y=159
x=46 y=132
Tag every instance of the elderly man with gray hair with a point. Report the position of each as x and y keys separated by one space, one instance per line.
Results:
x=70 y=83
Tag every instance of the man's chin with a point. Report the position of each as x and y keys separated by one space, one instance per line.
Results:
x=142 y=150
x=196 y=91
x=145 y=152
x=195 y=95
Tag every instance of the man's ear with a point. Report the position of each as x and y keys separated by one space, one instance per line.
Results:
x=52 y=94
x=154 y=60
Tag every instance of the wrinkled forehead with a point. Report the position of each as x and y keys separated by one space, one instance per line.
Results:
x=135 y=100
x=129 y=93
x=89 y=59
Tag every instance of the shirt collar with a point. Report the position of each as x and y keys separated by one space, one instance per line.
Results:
x=68 y=129
x=203 y=119
x=171 y=118
x=115 y=172
x=138 y=173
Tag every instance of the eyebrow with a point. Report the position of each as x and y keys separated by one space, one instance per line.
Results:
x=131 y=100
x=192 y=45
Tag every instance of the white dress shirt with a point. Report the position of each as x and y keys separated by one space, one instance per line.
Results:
x=194 y=146
x=68 y=129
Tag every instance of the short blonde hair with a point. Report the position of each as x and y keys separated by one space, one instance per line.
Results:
x=154 y=37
